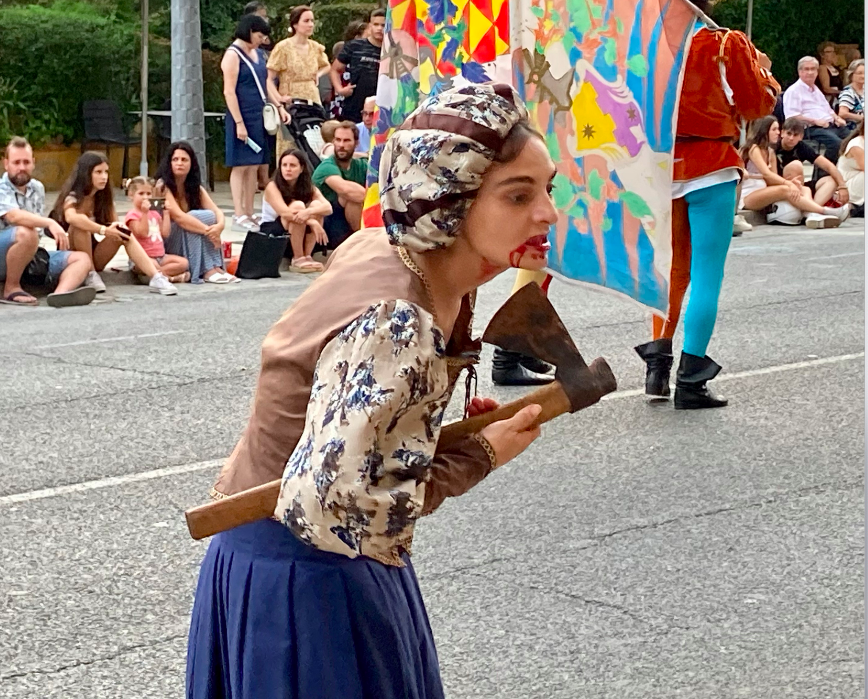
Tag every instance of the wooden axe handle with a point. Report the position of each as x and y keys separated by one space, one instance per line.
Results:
x=259 y=503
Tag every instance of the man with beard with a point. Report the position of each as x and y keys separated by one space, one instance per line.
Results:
x=22 y=204
x=341 y=179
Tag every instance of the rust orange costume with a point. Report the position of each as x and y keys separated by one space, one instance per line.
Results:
x=724 y=82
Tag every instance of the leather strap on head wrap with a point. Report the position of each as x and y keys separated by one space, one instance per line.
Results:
x=433 y=164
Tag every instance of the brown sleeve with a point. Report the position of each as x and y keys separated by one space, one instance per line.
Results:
x=755 y=89
x=455 y=470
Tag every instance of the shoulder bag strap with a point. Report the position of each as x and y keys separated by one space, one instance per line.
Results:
x=255 y=76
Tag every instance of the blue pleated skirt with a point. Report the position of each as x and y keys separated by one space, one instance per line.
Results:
x=275 y=618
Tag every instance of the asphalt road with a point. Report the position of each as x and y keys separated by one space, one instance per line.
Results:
x=631 y=552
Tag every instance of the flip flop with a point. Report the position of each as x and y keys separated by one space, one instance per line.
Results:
x=10 y=300
x=305 y=265
x=77 y=297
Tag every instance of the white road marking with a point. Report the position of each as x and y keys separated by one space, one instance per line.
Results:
x=755 y=372
x=216 y=463
x=112 y=339
x=110 y=482
x=835 y=257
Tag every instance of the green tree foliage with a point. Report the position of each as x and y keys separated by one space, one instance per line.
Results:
x=788 y=29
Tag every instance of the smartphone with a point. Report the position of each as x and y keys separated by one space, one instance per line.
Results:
x=126 y=233
x=157 y=204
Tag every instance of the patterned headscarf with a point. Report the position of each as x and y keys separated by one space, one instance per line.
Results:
x=433 y=164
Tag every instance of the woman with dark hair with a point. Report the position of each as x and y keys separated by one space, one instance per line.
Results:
x=829 y=76
x=297 y=64
x=762 y=185
x=355 y=379
x=197 y=222
x=247 y=89
x=85 y=207
x=292 y=205
x=851 y=163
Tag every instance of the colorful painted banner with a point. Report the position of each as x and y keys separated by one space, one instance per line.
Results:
x=429 y=46
x=601 y=80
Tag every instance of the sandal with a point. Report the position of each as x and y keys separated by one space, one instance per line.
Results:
x=28 y=299
x=77 y=297
x=217 y=278
x=305 y=265
x=180 y=278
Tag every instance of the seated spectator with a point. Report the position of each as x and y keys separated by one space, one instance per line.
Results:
x=805 y=101
x=341 y=177
x=851 y=98
x=826 y=183
x=292 y=205
x=196 y=221
x=828 y=74
x=85 y=207
x=764 y=187
x=851 y=163
x=22 y=209
x=151 y=227
x=365 y=127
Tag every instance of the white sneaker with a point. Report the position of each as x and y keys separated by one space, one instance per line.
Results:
x=160 y=284
x=822 y=221
x=740 y=225
x=842 y=213
x=95 y=282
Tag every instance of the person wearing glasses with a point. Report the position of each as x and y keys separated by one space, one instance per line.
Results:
x=366 y=127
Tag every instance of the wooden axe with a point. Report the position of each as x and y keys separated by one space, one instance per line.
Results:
x=526 y=323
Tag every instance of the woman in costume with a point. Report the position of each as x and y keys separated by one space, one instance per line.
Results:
x=725 y=80
x=355 y=380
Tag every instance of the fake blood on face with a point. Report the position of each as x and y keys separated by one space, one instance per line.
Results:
x=536 y=247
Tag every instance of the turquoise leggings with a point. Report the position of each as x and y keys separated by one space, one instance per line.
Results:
x=710 y=213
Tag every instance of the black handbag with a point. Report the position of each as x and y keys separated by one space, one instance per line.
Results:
x=261 y=255
x=36 y=272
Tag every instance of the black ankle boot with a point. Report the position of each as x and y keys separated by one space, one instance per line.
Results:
x=508 y=369
x=690 y=390
x=538 y=366
x=657 y=356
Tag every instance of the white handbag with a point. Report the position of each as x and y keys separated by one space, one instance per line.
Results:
x=270 y=115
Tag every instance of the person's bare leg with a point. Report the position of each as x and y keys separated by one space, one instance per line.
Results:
x=296 y=237
x=137 y=254
x=250 y=189
x=236 y=185
x=353 y=213
x=81 y=241
x=76 y=272
x=18 y=256
x=824 y=190
x=262 y=176
x=309 y=242
x=757 y=201
x=104 y=251
x=174 y=265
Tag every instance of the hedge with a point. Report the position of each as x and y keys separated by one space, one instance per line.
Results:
x=53 y=59
x=788 y=29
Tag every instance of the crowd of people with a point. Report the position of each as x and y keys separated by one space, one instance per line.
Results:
x=314 y=198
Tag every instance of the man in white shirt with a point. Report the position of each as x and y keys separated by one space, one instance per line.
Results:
x=805 y=101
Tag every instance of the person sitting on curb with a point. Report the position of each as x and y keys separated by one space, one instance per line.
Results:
x=341 y=178
x=827 y=182
x=85 y=205
x=22 y=209
x=292 y=206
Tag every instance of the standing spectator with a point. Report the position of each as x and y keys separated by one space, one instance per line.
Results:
x=246 y=88
x=365 y=127
x=22 y=209
x=831 y=80
x=851 y=99
x=851 y=163
x=827 y=181
x=362 y=58
x=261 y=10
x=85 y=206
x=297 y=63
x=804 y=101
x=341 y=178
x=764 y=187
x=196 y=221
x=292 y=205
x=151 y=227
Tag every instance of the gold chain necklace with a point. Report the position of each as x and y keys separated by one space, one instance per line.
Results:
x=404 y=254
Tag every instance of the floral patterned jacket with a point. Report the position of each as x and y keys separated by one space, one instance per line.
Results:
x=354 y=381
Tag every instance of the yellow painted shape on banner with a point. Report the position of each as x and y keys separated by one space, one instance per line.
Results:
x=399 y=12
x=593 y=128
x=478 y=25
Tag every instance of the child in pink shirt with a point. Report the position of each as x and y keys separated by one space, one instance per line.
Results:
x=150 y=227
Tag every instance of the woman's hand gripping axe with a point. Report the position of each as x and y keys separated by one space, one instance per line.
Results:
x=526 y=323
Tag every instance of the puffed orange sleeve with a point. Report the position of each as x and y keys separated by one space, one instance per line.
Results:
x=754 y=88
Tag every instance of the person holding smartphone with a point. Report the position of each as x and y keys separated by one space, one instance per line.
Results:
x=85 y=206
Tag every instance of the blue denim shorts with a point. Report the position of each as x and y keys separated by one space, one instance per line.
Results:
x=57 y=260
